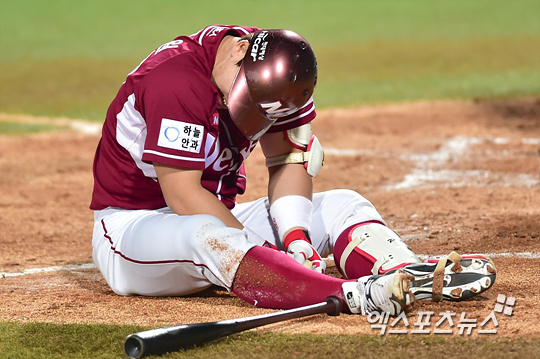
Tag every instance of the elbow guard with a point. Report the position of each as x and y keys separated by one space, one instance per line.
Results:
x=299 y=136
x=312 y=157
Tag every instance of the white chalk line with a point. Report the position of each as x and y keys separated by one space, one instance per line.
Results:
x=429 y=171
x=90 y=128
x=68 y=268
x=522 y=255
x=72 y=268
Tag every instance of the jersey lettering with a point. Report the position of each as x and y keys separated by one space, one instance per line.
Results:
x=226 y=161
x=225 y=156
x=215 y=31
x=245 y=152
x=170 y=45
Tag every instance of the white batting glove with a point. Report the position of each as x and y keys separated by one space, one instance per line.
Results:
x=298 y=245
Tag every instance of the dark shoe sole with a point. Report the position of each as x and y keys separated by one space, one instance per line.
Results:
x=460 y=279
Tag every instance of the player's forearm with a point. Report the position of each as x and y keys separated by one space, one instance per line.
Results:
x=200 y=201
x=185 y=196
x=289 y=179
x=290 y=191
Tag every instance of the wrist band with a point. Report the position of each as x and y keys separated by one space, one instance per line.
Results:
x=289 y=212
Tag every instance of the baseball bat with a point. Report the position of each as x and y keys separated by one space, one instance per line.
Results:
x=170 y=339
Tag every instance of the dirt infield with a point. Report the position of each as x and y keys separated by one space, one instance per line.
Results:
x=448 y=176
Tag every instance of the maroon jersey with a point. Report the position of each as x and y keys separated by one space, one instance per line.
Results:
x=165 y=112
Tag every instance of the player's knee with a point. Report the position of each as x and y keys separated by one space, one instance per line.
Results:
x=351 y=201
x=345 y=195
x=371 y=249
x=199 y=229
x=211 y=235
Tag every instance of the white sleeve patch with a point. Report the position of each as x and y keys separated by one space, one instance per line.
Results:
x=181 y=136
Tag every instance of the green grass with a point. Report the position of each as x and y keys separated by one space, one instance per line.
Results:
x=63 y=87
x=505 y=66
x=40 y=29
x=14 y=128
x=106 y=341
x=62 y=341
x=68 y=58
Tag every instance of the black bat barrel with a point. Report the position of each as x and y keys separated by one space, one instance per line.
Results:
x=170 y=339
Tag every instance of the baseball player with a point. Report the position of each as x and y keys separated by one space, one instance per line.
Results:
x=171 y=162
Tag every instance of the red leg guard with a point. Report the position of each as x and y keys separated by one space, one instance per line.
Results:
x=271 y=279
x=359 y=263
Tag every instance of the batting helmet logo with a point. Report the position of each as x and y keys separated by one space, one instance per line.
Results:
x=276 y=109
x=258 y=43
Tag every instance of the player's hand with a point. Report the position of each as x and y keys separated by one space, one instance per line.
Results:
x=298 y=245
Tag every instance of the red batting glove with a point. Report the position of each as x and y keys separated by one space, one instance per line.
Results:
x=298 y=245
x=270 y=245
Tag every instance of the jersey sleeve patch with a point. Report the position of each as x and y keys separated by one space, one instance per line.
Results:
x=180 y=135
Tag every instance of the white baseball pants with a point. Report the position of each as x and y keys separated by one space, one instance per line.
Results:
x=159 y=253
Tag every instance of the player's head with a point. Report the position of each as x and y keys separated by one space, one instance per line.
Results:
x=276 y=78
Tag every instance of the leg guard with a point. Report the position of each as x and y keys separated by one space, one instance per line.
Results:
x=371 y=248
x=271 y=279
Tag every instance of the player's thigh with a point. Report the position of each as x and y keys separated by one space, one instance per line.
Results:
x=161 y=253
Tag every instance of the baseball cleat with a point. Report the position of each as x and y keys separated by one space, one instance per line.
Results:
x=379 y=293
x=452 y=278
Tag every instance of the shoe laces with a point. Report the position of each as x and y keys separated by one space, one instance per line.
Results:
x=373 y=295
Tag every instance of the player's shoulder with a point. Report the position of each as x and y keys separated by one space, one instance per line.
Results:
x=176 y=62
x=171 y=57
x=219 y=31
